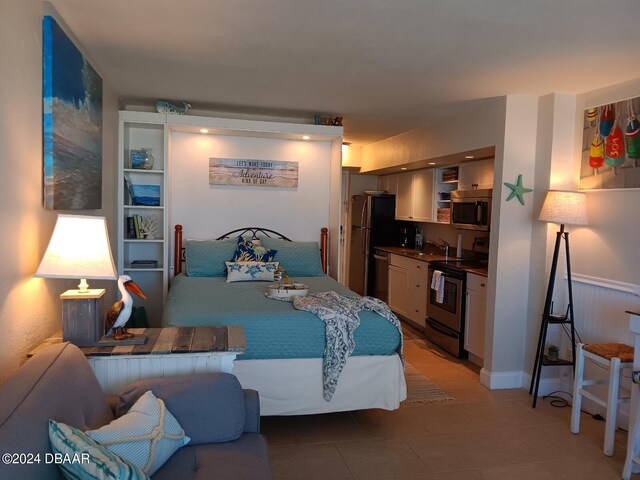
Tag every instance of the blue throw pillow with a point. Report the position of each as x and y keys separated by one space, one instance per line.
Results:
x=298 y=259
x=88 y=459
x=205 y=258
x=247 y=251
x=146 y=436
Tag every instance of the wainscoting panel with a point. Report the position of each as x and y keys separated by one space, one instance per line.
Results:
x=600 y=317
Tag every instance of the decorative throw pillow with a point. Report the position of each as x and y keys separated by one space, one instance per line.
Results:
x=205 y=258
x=248 y=251
x=299 y=259
x=250 y=271
x=147 y=436
x=88 y=459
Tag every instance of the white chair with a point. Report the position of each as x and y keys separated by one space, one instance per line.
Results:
x=615 y=357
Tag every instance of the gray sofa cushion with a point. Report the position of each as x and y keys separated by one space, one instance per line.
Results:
x=210 y=407
x=58 y=384
x=244 y=459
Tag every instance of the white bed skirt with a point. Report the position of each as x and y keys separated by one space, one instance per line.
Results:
x=294 y=386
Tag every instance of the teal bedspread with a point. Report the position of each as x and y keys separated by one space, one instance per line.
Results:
x=273 y=329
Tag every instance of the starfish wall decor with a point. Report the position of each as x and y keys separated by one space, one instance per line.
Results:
x=517 y=190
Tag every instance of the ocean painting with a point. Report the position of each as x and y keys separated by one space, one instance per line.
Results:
x=72 y=124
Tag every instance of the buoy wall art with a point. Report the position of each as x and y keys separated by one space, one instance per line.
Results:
x=611 y=146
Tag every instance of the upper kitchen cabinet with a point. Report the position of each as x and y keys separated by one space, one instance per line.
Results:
x=414 y=198
x=388 y=183
x=476 y=174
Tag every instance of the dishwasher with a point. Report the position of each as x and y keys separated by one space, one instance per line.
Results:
x=381 y=288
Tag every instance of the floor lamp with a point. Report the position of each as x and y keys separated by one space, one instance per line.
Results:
x=564 y=208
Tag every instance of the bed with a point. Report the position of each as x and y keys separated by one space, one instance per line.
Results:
x=285 y=346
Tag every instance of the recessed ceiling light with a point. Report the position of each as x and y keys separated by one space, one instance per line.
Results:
x=204 y=130
x=403 y=168
x=469 y=156
x=306 y=137
x=432 y=163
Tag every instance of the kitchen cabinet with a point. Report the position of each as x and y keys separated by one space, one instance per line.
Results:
x=414 y=198
x=478 y=173
x=475 y=314
x=388 y=183
x=446 y=182
x=408 y=288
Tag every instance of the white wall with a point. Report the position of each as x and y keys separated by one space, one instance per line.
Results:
x=29 y=307
x=207 y=211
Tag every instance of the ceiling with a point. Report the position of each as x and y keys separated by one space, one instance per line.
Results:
x=386 y=66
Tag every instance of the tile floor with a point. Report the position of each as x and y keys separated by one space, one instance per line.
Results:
x=480 y=435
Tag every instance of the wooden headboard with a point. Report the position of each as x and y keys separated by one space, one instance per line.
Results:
x=256 y=232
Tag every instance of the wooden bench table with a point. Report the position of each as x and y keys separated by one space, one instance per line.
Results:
x=167 y=352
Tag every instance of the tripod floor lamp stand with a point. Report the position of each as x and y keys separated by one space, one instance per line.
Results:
x=565 y=208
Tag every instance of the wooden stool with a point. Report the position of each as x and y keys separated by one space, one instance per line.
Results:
x=615 y=357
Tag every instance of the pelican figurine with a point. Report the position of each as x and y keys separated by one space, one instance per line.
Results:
x=119 y=313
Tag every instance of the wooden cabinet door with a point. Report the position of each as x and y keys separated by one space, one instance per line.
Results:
x=404 y=197
x=418 y=291
x=399 y=300
x=423 y=195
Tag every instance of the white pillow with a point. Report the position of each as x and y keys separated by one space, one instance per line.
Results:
x=146 y=436
x=250 y=271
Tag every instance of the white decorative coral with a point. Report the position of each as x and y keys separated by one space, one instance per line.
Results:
x=149 y=227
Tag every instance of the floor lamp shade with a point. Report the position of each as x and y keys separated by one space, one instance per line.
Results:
x=565 y=208
x=79 y=248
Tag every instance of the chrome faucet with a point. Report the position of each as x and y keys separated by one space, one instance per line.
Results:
x=444 y=246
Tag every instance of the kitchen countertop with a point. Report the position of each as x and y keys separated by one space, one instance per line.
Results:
x=428 y=256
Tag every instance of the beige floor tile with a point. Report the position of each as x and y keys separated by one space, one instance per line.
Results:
x=527 y=471
x=480 y=435
x=308 y=462
x=381 y=459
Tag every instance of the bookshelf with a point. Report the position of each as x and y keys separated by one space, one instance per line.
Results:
x=149 y=245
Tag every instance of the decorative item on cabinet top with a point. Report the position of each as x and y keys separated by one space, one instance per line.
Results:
x=163 y=106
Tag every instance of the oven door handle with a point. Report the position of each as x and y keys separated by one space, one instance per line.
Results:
x=441 y=329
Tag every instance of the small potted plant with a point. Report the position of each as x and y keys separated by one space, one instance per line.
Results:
x=552 y=353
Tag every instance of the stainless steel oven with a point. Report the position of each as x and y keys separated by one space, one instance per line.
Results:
x=445 y=321
x=471 y=209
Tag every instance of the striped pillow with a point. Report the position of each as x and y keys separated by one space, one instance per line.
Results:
x=86 y=458
x=147 y=436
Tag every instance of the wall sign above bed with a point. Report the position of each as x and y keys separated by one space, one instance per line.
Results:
x=253 y=173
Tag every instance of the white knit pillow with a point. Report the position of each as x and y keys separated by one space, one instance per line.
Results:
x=146 y=436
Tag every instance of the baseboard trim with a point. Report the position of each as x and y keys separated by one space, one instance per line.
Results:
x=504 y=380
x=501 y=380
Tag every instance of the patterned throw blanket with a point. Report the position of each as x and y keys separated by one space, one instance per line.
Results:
x=340 y=314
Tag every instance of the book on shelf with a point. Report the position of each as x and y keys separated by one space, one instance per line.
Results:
x=131 y=229
x=136 y=225
x=144 y=264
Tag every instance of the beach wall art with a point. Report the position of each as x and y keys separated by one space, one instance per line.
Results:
x=611 y=146
x=253 y=173
x=72 y=124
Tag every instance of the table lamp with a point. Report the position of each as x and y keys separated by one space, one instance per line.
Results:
x=79 y=248
x=564 y=208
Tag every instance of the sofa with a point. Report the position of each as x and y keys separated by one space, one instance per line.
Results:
x=222 y=419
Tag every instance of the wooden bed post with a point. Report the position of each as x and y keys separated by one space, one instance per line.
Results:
x=324 y=247
x=177 y=250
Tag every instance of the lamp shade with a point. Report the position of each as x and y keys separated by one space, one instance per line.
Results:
x=79 y=248
x=568 y=208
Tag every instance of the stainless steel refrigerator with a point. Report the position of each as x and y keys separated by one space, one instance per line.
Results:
x=373 y=224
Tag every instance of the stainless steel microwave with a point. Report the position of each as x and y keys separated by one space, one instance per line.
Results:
x=471 y=209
